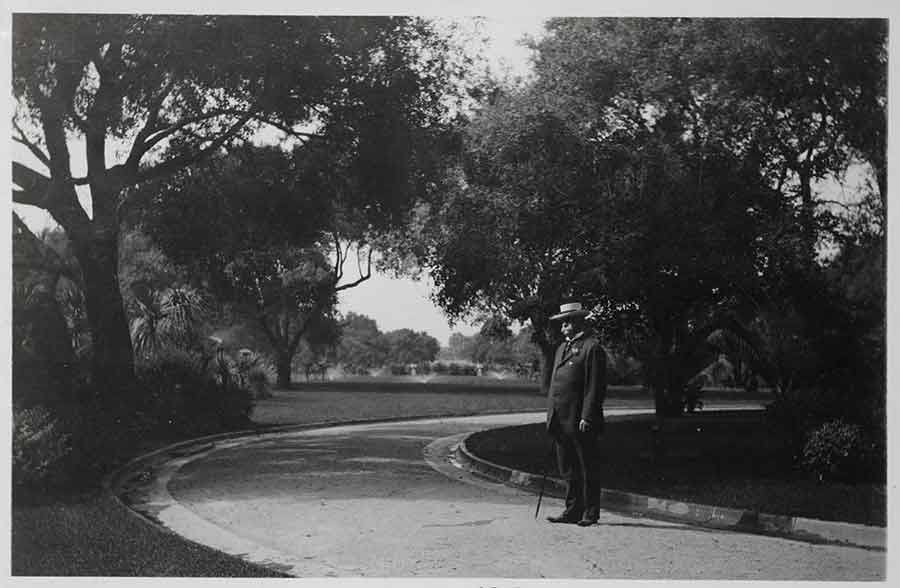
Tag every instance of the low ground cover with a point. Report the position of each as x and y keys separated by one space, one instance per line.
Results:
x=731 y=459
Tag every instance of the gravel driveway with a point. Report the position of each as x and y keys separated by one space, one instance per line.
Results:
x=383 y=500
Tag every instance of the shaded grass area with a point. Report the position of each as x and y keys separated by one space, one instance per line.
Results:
x=732 y=459
x=91 y=534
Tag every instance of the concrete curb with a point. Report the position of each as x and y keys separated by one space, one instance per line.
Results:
x=748 y=521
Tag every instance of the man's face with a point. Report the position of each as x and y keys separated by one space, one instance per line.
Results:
x=569 y=327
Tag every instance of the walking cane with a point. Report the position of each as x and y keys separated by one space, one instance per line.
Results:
x=543 y=481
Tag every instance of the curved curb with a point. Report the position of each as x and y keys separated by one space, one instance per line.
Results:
x=748 y=521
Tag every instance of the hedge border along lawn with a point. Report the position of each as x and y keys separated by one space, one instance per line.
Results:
x=91 y=534
x=732 y=459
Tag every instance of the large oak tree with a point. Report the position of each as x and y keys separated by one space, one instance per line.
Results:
x=664 y=166
x=144 y=96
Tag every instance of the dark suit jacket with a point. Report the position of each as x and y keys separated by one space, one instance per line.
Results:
x=577 y=387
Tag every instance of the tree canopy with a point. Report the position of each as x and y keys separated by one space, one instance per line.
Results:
x=145 y=96
x=664 y=168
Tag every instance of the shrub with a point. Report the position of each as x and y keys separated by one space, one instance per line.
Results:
x=39 y=447
x=835 y=451
x=691 y=398
x=255 y=374
x=259 y=380
x=183 y=394
x=399 y=369
x=106 y=429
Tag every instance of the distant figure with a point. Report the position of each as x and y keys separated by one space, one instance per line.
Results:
x=575 y=413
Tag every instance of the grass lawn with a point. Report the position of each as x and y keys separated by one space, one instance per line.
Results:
x=730 y=460
x=90 y=534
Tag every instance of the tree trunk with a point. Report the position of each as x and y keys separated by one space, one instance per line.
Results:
x=284 y=370
x=807 y=211
x=548 y=353
x=658 y=375
x=112 y=365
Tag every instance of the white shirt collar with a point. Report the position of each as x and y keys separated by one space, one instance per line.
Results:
x=575 y=337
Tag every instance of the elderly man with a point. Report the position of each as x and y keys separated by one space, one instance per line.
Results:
x=575 y=413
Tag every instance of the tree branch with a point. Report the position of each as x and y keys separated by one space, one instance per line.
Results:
x=844 y=205
x=286 y=128
x=154 y=137
x=35 y=150
x=139 y=148
x=339 y=258
x=362 y=277
x=295 y=340
x=273 y=338
x=44 y=258
x=35 y=186
x=180 y=162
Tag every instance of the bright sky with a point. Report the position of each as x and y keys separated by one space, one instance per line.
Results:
x=398 y=303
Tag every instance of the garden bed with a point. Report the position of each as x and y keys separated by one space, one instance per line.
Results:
x=729 y=459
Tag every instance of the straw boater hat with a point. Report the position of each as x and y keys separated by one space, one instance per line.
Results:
x=570 y=310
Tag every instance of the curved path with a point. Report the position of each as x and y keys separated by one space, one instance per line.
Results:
x=384 y=500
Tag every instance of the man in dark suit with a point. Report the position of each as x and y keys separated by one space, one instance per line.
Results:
x=575 y=413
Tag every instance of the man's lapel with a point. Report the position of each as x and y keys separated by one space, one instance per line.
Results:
x=570 y=350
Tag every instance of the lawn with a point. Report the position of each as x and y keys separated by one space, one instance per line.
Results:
x=730 y=459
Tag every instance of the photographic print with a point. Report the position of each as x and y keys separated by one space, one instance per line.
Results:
x=473 y=298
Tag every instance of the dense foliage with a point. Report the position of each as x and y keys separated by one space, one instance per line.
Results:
x=673 y=173
x=171 y=90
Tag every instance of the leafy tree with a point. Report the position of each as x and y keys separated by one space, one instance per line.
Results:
x=405 y=346
x=517 y=352
x=318 y=348
x=459 y=346
x=496 y=328
x=250 y=198
x=258 y=200
x=170 y=90
x=362 y=345
x=639 y=171
x=288 y=291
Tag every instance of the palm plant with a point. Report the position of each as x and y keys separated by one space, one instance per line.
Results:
x=167 y=317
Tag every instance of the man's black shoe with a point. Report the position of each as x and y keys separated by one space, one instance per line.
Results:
x=564 y=518
x=587 y=522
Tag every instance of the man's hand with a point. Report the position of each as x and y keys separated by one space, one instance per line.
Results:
x=584 y=426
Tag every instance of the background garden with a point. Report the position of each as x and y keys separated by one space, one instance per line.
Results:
x=714 y=188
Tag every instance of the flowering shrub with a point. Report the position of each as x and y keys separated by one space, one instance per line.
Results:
x=835 y=451
x=39 y=446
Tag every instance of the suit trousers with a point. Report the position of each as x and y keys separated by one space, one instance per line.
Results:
x=575 y=457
